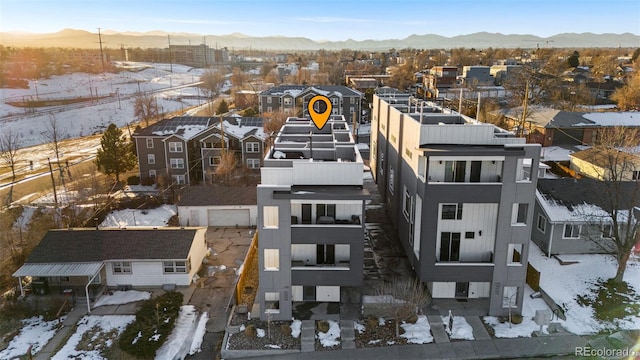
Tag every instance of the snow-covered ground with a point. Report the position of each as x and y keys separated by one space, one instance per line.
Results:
x=102 y=332
x=134 y=217
x=35 y=332
x=122 y=297
x=87 y=118
x=181 y=340
x=461 y=328
x=565 y=282
x=527 y=326
x=330 y=338
x=418 y=333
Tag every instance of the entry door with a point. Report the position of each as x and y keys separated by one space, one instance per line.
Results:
x=462 y=290
x=306 y=213
x=308 y=293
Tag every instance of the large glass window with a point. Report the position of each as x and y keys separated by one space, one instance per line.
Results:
x=270 y=214
x=121 y=267
x=514 y=254
x=519 y=215
x=271 y=259
x=171 y=267
x=175 y=147
x=571 y=231
x=449 y=246
x=451 y=212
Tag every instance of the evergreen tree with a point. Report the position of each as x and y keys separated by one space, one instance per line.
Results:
x=574 y=59
x=115 y=155
x=223 y=107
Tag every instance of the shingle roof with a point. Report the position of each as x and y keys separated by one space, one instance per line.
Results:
x=178 y=125
x=603 y=158
x=90 y=245
x=217 y=195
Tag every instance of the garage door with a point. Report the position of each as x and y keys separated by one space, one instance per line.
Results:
x=231 y=217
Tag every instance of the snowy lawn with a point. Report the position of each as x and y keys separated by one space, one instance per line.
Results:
x=35 y=332
x=122 y=297
x=418 y=333
x=133 y=217
x=527 y=326
x=330 y=338
x=574 y=286
x=186 y=336
x=93 y=335
x=461 y=328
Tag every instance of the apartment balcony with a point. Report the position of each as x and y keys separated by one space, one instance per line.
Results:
x=485 y=259
x=305 y=266
x=327 y=233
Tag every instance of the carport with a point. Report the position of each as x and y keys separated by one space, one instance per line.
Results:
x=88 y=270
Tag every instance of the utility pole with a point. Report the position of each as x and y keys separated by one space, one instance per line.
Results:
x=525 y=102
x=101 y=53
x=170 y=61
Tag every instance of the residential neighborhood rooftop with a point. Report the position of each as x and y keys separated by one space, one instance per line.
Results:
x=218 y=195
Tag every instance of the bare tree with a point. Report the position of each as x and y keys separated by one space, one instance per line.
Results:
x=145 y=107
x=212 y=82
x=53 y=134
x=227 y=165
x=619 y=197
x=628 y=96
x=406 y=297
x=10 y=143
x=273 y=121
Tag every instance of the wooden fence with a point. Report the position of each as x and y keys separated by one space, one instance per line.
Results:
x=250 y=262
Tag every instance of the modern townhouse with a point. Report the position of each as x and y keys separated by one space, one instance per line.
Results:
x=459 y=197
x=188 y=149
x=310 y=217
x=293 y=99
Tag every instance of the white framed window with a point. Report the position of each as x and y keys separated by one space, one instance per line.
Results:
x=178 y=179
x=288 y=101
x=422 y=167
x=542 y=223
x=451 y=212
x=176 y=163
x=151 y=159
x=352 y=100
x=175 y=146
x=175 y=267
x=510 y=297
x=149 y=143
x=269 y=109
x=571 y=231
x=271 y=259
x=121 y=267
x=270 y=215
x=514 y=254
x=152 y=174
x=606 y=231
x=272 y=302
x=253 y=163
x=252 y=147
x=523 y=169
x=214 y=161
x=269 y=100
x=519 y=214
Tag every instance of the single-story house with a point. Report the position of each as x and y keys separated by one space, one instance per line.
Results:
x=598 y=163
x=91 y=260
x=570 y=215
x=218 y=206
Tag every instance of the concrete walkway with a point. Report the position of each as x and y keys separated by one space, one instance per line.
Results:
x=63 y=333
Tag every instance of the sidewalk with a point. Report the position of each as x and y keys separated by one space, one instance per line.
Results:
x=479 y=349
x=67 y=326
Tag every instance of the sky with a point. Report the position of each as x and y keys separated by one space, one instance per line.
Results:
x=325 y=19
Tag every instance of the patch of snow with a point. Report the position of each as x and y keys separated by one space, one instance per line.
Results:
x=177 y=345
x=122 y=297
x=372 y=342
x=503 y=330
x=135 y=217
x=279 y=155
x=330 y=338
x=106 y=323
x=35 y=332
x=261 y=333
x=198 y=336
x=579 y=279
x=360 y=328
x=381 y=322
x=295 y=328
x=273 y=346
x=461 y=328
x=418 y=333
x=135 y=340
x=23 y=220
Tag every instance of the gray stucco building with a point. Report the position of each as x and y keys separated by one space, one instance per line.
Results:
x=310 y=216
x=459 y=196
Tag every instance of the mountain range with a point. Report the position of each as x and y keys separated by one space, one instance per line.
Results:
x=159 y=39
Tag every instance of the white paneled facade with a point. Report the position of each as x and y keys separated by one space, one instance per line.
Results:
x=479 y=219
